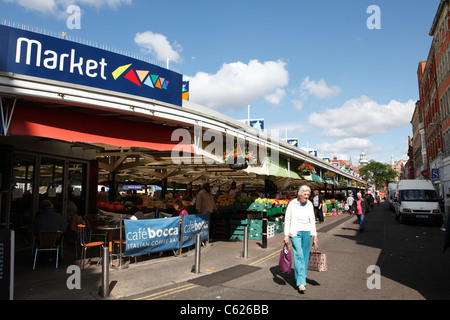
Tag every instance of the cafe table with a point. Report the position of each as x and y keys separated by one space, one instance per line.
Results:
x=109 y=229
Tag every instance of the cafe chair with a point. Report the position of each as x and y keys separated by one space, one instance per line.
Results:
x=92 y=225
x=85 y=245
x=48 y=241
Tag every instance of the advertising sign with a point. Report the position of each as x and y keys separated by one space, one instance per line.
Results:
x=33 y=54
x=151 y=235
x=193 y=224
x=155 y=235
x=257 y=124
x=293 y=142
x=435 y=174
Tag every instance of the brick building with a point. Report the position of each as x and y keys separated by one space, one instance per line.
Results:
x=430 y=120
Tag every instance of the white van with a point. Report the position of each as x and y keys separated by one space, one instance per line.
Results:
x=392 y=189
x=417 y=199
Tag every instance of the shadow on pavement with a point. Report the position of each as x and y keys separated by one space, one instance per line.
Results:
x=411 y=254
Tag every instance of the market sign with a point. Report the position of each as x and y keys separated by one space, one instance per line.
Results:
x=192 y=225
x=156 y=235
x=33 y=54
x=132 y=187
x=293 y=142
x=151 y=235
x=257 y=124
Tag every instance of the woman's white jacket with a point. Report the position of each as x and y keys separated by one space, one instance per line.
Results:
x=299 y=218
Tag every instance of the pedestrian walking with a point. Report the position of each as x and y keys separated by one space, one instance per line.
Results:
x=370 y=200
x=350 y=200
x=205 y=201
x=205 y=204
x=317 y=202
x=361 y=208
x=299 y=227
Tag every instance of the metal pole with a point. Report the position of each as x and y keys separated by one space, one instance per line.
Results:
x=264 y=229
x=120 y=245
x=105 y=273
x=245 y=242
x=180 y=241
x=121 y=266
x=198 y=245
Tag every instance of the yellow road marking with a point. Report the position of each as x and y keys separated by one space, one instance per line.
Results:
x=192 y=286
x=211 y=269
x=168 y=292
x=266 y=258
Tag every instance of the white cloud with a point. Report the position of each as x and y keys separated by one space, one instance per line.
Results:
x=298 y=104
x=237 y=84
x=319 y=89
x=345 y=145
x=158 y=45
x=58 y=7
x=36 y=5
x=276 y=97
x=363 y=117
x=99 y=3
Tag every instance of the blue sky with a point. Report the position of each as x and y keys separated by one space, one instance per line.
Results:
x=312 y=68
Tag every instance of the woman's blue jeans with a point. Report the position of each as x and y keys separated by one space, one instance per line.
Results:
x=301 y=245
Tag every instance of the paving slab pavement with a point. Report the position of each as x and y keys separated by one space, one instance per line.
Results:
x=149 y=273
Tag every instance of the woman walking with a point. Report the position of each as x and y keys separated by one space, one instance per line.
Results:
x=299 y=227
x=360 y=208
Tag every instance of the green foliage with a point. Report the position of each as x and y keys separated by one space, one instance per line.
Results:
x=377 y=173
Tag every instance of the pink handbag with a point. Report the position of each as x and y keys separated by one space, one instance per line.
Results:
x=317 y=260
x=285 y=260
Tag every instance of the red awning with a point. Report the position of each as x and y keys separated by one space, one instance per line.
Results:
x=33 y=120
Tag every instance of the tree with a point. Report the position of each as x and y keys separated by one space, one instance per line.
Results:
x=377 y=173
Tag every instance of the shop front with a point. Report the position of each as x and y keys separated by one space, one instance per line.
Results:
x=67 y=121
x=36 y=175
x=61 y=103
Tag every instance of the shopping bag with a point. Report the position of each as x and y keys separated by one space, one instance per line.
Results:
x=285 y=260
x=317 y=260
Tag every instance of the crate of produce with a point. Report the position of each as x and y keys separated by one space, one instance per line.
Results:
x=270 y=230
x=253 y=215
x=254 y=229
x=256 y=206
x=279 y=225
x=275 y=210
x=237 y=228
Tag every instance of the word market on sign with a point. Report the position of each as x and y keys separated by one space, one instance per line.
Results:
x=54 y=60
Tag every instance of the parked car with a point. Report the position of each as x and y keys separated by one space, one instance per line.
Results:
x=417 y=200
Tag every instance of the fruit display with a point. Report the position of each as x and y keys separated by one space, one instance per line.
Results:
x=272 y=202
x=225 y=200
x=187 y=203
x=260 y=200
x=110 y=206
x=245 y=201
